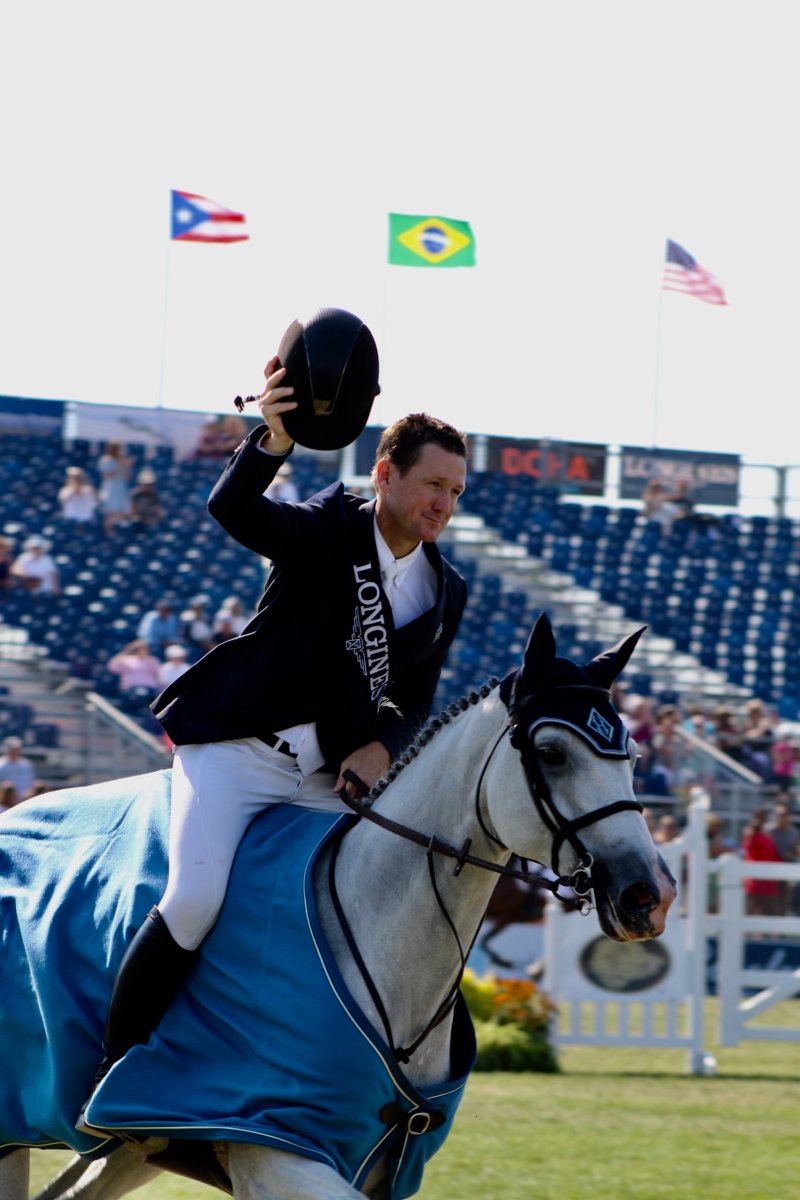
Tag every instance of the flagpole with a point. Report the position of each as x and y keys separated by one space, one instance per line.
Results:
x=382 y=344
x=657 y=390
x=164 y=329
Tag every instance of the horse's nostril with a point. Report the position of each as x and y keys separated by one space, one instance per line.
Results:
x=638 y=897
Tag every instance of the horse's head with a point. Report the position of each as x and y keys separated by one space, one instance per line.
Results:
x=574 y=757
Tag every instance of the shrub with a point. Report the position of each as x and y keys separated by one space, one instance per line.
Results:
x=512 y=1023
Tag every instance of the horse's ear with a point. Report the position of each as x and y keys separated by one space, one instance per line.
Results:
x=540 y=652
x=605 y=667
x=537 y=661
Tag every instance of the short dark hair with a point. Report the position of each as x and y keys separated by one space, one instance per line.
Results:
x=402 y=442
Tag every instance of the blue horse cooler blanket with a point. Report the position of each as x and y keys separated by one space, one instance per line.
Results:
x=264 y=1044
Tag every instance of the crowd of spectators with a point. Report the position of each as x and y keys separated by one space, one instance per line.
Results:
x=753 y=736
x=110 y=504
x=768 y=835
x=168 y=642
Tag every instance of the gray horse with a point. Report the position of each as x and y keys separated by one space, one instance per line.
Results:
x=388 y=906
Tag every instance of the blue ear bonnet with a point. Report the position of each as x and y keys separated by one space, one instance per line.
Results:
x=568 y=697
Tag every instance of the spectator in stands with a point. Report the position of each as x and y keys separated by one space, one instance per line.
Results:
x=146 y=506
x=6 y=561
x=650 y=820
x=234 y=430
x=756 y=729
x=727 y=735
x=666 y=751
x=211 y=441
x=763 y=895
x=697 y=722
x=160 y=627
x=136 y=667
x=784 y=756
x=785 y=836
x=78 y=497
x=15 y=768
x=639 y=717
x=174 y=664
x=35 y=569
x=283 y=486
x=9 y=796
x=220 y=436
x=115 y=468
x=195 y=628
x=680 y=498
x=667 y=829
x=717 y=845
x=229 y=620
x=655 y=505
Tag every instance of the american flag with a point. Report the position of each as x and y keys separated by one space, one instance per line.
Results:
x=682 y=273
x=196 y=219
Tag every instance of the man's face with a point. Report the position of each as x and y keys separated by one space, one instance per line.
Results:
x=416 y=507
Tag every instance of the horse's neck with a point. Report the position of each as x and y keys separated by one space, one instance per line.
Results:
x=386 y=893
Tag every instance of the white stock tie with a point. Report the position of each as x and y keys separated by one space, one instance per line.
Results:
x=390 y=574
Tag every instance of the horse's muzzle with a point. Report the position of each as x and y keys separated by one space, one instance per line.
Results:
x=635 y=910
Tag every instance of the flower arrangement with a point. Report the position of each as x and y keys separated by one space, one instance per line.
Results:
x=512 y=1023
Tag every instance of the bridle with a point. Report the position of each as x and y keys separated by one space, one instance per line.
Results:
x=581 y=881
x=562 y=829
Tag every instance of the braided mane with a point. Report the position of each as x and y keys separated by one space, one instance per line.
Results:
x=427 y=732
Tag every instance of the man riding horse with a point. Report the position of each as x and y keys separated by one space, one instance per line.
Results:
x=360 y=601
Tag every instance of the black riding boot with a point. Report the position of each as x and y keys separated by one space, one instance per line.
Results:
x=152 y=970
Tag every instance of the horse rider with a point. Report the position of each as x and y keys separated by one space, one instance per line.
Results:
x=337 y=669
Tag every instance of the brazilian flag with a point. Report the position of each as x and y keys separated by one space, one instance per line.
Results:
x=416 y=241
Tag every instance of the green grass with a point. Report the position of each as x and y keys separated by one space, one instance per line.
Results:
x=616 y=1124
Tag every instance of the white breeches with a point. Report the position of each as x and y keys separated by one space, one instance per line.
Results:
x=217 y=789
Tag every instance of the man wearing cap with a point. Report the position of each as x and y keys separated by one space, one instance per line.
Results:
x=337 y=670
x=146 y=505
x=15 y=768
x=35 y=569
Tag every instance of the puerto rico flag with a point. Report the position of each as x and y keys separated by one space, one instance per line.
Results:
x=196 y=219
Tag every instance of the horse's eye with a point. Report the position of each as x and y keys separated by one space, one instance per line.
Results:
x=551 y=756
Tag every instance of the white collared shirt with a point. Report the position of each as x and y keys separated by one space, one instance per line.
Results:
x=409 y=582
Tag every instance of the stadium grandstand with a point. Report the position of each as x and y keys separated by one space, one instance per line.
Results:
x=720 y=601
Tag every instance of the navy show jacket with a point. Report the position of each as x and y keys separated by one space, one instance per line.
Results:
x=322 y=646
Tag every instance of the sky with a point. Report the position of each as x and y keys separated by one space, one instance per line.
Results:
x=575 y=136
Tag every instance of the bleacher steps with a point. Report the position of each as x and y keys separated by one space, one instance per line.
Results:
x=672 y=672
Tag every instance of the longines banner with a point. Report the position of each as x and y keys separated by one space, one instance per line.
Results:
x=576 y=468
x=712 y=478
